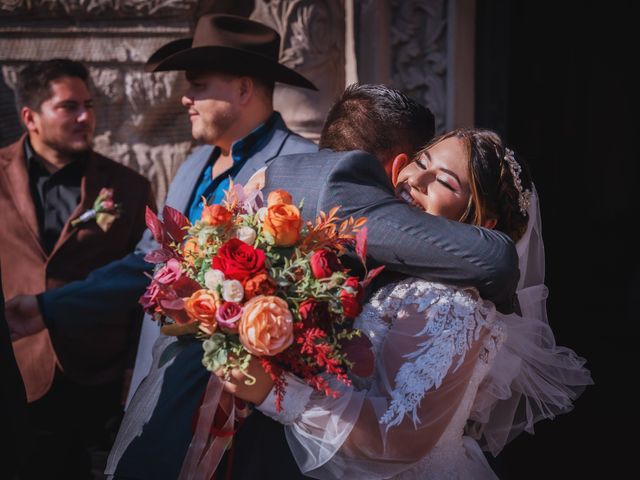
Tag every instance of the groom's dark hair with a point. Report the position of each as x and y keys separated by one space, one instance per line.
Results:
x=377 y=119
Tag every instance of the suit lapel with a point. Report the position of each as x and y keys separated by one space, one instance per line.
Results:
x=17 y=178
x=266 y=154
x=179 y=197
x=96 y=177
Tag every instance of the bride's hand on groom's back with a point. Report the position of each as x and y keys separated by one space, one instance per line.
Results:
x=238 y=384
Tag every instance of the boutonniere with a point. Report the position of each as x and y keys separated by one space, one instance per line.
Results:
x=104 y=210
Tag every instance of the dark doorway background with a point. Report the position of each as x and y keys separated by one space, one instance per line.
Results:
x=554 y=78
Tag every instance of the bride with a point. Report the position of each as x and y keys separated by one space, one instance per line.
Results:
x=452 y=376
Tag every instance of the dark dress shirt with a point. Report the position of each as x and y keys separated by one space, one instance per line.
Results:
x=55 y=195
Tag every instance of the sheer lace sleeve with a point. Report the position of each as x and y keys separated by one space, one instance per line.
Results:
x=427 y=338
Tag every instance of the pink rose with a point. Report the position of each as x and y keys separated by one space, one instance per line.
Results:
x=164 y=276
x=168 y=274
x=228 y=316
x=149 y=299
x=166 y=292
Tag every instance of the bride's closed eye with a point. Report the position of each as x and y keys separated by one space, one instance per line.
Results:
x=446 y=184
x=423 y=163
x=419 y=163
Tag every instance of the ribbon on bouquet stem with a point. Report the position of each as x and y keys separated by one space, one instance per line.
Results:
x=209 y=441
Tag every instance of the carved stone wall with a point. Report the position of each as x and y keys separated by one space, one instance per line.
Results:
x=313 y=43
x=419 y=46
x=405 y=43
x=140 y=120
x=141 y=123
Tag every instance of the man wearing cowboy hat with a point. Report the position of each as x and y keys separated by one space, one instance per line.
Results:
x=231 y=65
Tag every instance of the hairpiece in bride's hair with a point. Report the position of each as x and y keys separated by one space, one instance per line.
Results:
x=524 y=196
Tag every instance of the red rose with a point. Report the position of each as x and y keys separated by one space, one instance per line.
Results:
x=353 y=284
x=351 y=297
x=324 y=263
x=350 y=305
x=314 y=313
x=238 y=261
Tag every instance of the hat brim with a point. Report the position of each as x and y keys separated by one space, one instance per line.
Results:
x=178 y=55
x=166 y=51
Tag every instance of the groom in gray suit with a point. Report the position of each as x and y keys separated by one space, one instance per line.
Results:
x=231 y=65
x=158 y=427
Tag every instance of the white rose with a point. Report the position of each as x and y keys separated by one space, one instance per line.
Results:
x=213 y=278
x=262 y=212
x=246 y=234
x=232 y=291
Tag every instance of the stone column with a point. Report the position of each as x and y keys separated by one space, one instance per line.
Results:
x=313 y=43
x=423 y=47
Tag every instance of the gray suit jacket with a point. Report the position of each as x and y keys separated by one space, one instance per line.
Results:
x=157 y=428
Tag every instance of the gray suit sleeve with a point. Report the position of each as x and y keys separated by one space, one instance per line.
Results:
x=410 y=241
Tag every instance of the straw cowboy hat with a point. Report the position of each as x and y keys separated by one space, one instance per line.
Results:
x=228 y=43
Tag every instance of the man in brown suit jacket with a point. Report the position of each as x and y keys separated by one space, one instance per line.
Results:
x=50 y=177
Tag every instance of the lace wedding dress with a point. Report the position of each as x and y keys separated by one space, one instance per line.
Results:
x=433 y=346
x=452 y=376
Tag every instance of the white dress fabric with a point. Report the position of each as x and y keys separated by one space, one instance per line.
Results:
x=532 y=378
x=452 y=378
x=433 y=346
x=451 y=375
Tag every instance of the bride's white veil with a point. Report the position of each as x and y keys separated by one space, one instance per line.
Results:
x=531 y=378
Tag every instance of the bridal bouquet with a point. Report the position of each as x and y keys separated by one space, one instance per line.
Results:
x=252 y=279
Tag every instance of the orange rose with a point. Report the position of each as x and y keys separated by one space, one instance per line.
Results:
x=266 y=326
x=201 y=306
x=283 y=223
x=191 y=250
x=260 y=284
x=216 y=215
x=279 y=196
